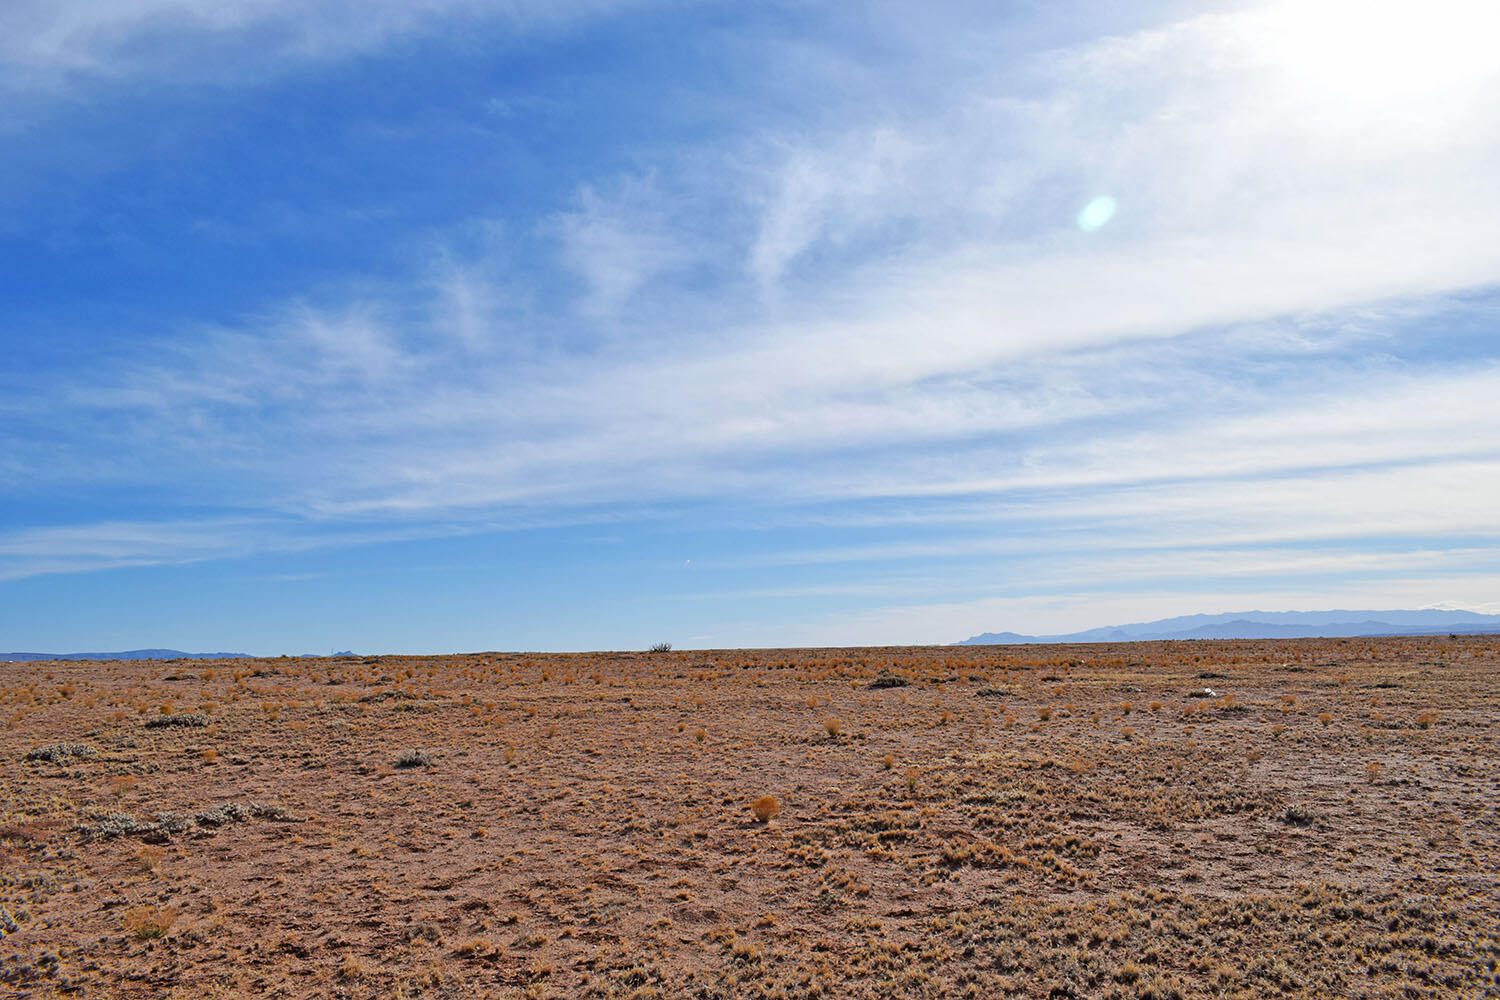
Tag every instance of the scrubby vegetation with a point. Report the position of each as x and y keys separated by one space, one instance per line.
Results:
x=186 y=720
x=414 y=758
x=58 y=753
x=1034 y=822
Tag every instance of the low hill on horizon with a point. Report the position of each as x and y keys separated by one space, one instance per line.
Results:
x=1266 y=625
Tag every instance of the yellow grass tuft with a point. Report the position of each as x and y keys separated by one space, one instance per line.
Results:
x=765 y=808
x=146 y=923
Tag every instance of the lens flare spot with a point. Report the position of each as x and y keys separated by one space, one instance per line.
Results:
x=1096 y=213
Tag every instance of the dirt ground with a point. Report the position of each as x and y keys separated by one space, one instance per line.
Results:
x=1304 y=818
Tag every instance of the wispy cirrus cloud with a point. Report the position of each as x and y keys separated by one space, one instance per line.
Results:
x=819 y=316
x=49 y=44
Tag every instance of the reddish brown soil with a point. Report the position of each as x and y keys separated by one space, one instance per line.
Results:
x=1324 y=824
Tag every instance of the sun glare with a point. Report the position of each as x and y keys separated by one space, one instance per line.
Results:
x=1096 y=213
x=1379 y=51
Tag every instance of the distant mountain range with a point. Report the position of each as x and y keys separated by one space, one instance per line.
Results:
x=129 y=654
x=1267 y=625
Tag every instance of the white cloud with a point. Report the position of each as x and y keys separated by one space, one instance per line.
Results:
x=49 y=45
x=617 y=240
x=111 y=545
x=932 y=323
x=830 y=195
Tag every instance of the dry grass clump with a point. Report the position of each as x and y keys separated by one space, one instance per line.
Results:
x=145 y=923
x=833 y=726
x=765 y=808
x=479 y=948
x=355 y=968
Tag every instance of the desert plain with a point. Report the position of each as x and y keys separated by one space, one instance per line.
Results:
x=1306 y=818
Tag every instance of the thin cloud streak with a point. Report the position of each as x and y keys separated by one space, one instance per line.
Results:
x=47 y=46
x=891 y=322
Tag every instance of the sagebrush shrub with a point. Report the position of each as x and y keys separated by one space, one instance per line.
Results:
x=59 y=752
x=413 y=758
x=186 y=720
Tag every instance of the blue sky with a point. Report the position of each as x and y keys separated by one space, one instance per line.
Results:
x=491 y=325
